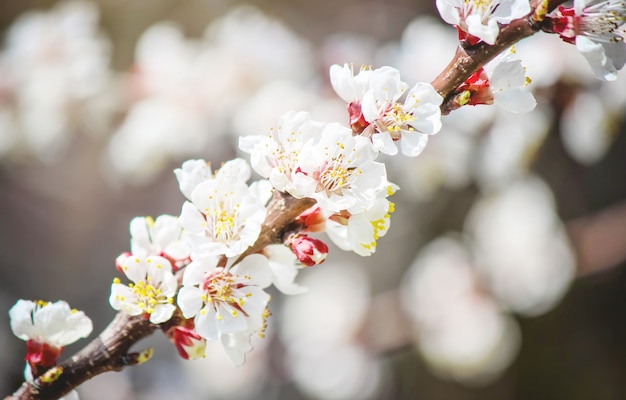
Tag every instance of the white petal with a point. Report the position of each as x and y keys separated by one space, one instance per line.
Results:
x=191 y=219
x=384 y=143
x=516 y=100
x=21 y=319
x=190 y=301
x=162 y=313
x=226 y=322
x=488 y=33
x=135 y=268
x=413 y=143
x=257 y=268
x=206 y=324
x=236 y=346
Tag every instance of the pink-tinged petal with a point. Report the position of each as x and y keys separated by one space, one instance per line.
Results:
x=190 y=300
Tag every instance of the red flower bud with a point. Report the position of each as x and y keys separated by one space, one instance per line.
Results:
x=188 y=342
x=309 y=251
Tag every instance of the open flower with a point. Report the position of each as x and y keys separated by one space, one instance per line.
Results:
x=502 y=81
x=359 y=232
x=225 y=214
x=481 y=19
x=160 y=237
x=339 y=171
x=351 y=88
x=276 y=156
x=321 y=161
x=47 y=328
x=226 y=300
x=376 y=111
x=596 y=27
x=152 y=292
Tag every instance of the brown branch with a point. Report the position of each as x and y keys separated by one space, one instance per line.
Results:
x=281 y=214
x=468 y=60
x=108 y=352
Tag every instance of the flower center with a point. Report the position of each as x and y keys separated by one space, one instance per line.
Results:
x=148 y=296
x=223 y=287
x=335 y=175
x=395 y=120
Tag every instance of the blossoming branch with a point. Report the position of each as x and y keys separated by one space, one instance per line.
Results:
x=204 y=275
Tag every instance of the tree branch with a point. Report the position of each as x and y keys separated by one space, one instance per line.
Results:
x=108 y=352
x=469 y=59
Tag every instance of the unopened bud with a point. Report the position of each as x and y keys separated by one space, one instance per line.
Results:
x=309 y=251
x=188 y=342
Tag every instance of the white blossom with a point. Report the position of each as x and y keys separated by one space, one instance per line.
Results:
x=225 y=215
x=481 y=18
x=162 y=237
x=375 y=110
x=596 y=27
x=359 y=232
x=55 y=324
x=227 y=303
x=151 y=292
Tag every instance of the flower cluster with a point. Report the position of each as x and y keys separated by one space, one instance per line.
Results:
x=47 y=328
x=205 y=275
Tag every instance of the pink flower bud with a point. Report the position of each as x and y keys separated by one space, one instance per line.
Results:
x=309 y=251
x=188 y=342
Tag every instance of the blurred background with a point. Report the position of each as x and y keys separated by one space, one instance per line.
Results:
x=502 y=276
